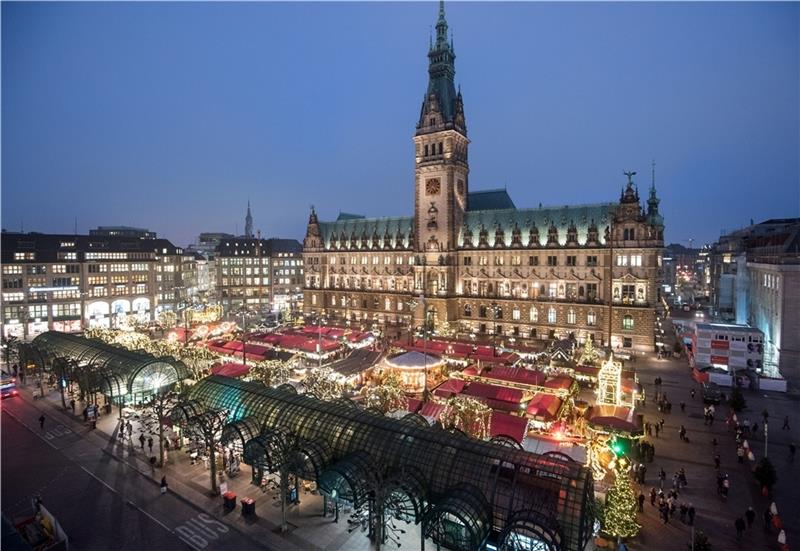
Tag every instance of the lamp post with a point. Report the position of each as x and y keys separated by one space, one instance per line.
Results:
x=495 y=310
x=244 y=312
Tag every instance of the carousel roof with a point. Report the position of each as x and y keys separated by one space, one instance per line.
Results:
x=411 y=360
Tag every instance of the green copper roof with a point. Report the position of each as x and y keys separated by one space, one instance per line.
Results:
x=348 y=216
x=579 y=218
x=368 y=233
x=489 y=199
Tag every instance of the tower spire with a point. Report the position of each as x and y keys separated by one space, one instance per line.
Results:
x=248 y=222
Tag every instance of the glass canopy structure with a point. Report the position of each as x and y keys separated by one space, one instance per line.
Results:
x=464 y=492
x=100 y=367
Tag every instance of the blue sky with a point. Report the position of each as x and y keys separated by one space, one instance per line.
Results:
x=170 y=116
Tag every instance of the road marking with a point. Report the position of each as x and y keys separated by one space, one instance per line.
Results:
x=97 y=478
x=200 y=530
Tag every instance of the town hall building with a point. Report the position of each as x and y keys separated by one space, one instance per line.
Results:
x=472 y=262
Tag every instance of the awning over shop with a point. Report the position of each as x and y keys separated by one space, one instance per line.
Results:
x=231 y=370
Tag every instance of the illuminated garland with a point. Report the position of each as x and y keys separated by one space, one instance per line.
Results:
x=322 y=383
x=388 y=395
x=271 y=372
x=467 y=414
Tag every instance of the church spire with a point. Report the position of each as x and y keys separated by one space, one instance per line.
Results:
x=248 y=222
x=442 y=107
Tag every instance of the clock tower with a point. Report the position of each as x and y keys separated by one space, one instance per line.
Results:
x=440 y=146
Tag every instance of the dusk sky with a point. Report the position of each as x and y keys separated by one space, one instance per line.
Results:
x=170 y=116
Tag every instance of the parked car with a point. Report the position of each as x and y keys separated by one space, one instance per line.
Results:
x=711 y=393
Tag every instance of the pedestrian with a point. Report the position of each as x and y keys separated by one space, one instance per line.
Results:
x=691 y=514
x=714 y=442
x=72 y=405
x=692 y=393
x=740 y=454
x=754 y=428
x=662 y=476
x=653 y=496
x=153 y=464
x=675 y=482
x=792 y=449
x=150 y=444
x=661 y=422
x=716 y=461
x=658 y=429
x=642 y=472
x=739 y=524
x=683 y=407
x=141 y=440
x=641 y=502
x=164 y=484
x=684 y=509
x=130 y=430
x=750 y=515
x=41 y=421
x=664 y=514
x=786 y=424
x=682 y=433
x=86 y=414
x=682 y=478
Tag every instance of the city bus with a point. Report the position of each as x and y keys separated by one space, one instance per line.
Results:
x=8 y=386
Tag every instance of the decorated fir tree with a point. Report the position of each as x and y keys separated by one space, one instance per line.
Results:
x=620 y=511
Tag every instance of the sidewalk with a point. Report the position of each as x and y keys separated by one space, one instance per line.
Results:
x=308 y=530
x=715 y=515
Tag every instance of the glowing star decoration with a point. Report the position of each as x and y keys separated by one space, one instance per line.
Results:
x=609 y=383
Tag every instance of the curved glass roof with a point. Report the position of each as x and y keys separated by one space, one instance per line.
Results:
x=101 y=367
x=508 y=480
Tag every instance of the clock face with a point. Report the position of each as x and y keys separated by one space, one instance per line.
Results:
x=432 y=186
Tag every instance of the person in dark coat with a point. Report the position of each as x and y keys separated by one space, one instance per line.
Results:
x=750 y=515
x=41 y=421
x=653 y=497
x=641 y=502
x=163 y=484
x=691 y=513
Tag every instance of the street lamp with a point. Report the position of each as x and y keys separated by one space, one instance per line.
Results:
x=495 y=311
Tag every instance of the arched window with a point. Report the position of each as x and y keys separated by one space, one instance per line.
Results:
x=551 y=315
x=467 y=310
x=627 y=322
x=534 y=315
x=515 y=313
x=571 y=317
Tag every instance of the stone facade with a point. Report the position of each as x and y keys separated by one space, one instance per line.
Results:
x=473 y=262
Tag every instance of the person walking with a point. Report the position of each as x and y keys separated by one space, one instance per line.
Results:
x=792 y=450
x=150 y=444
x=86 y=414
x=750 y=515
x=642 y=472
x=691 y=513
x=72 y=405
x=130 y=430
x=41 y=421
x=692 y=393
x=653 y=496
x=739 y=524
x=740 y=454
x=682 y=433
x=163 y=484
x=716 y=461
x=662 y=476
x=658 y=429
x=641 y=502
x=684 y=509
x=683 y=407
x=141 y=440
x=786 y=424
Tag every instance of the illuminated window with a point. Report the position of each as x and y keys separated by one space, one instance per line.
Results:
x=551 y=315
x=571 y=317
x=627 y=323
x=534 y=315
x=591 y=318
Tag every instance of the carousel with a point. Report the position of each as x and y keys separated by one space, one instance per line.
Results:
x=411 y=367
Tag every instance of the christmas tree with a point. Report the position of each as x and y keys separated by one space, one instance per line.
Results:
x=620 y=513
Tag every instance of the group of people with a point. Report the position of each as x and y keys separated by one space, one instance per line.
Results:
x=668 y=503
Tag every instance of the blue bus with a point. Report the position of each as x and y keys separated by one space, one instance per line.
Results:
x=8 y=386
